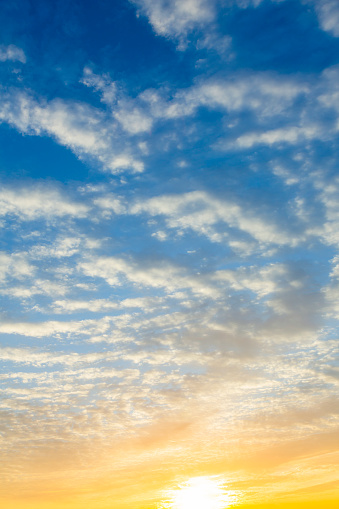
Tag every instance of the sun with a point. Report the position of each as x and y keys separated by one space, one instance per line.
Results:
x=199 y=493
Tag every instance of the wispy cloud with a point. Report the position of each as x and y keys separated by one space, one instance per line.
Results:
x=43 y=202
x=201 y=212
x=328 y=13
x=78 y=126
x=13 y=53
x=177 y=18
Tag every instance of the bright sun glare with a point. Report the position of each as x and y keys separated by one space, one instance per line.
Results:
x=199 y=493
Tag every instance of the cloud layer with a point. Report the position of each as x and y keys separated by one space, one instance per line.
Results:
x=169 y=262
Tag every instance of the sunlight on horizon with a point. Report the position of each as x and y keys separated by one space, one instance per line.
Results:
x=199 y=493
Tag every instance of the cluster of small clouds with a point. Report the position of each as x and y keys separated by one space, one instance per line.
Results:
x=169 y=353
x=117 y=137
x=173 y=343
x=78 y=126
x=265 y=94
x=117 y=337
x=229 y=220
x=177 y=19
x=200 y=212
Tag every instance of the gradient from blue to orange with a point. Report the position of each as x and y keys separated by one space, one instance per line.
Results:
x=169 y=259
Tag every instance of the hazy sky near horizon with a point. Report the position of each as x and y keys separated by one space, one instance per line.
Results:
x=169 y=258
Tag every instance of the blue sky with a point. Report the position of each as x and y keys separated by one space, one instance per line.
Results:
x=169 y=257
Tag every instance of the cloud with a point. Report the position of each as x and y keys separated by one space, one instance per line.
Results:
x=122 y=162
x=292 y=135
x=38 y=358
x=202 y=212
x=58 y=329
x=110 y=204
x=102 y=84
x=328 y=14
x=328 y=95
x=133 y=120
x=64 y=246
x=39 y=202
x=84 y=129
x=160 y=274
x=74 y=124
x=13 y=53
x=263 y=281
x=102 y=305
x=286 y=110
x=15 y=266
x=96 y=331
x=264 y=93
x=176 y=18
x=327 y=192
x=36 y=287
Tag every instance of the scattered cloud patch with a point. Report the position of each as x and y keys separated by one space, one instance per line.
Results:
x=201 y=212
x=328 y=14
x=176 y=18
x=12 y=53
x=78 y=126
x=39 y=202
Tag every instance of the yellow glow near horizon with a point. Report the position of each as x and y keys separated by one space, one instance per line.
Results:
x=200 y=493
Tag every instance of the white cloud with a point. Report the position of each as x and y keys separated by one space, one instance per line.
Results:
x=201 y=212
x=264 y=93
x=38 y=287
x=110 y=203
x=74 y=124
x=13 y=53
x=56 y=328
x=15 y=265
x=100 y=83
x=124 y=162
x=328 y=197
x=262 y=281
x=261 y=92
x=30 y=203
x=331 y=291
x=328 y=14
x=68 y=306
x=160 y=235
x=176 y=18
x=131 y=117
x=212 y=41
x=290 y=134
x=329 y=91
x=162 y=275
x=32 y=356
x=63 y=247
x=133 y=120
x=100 y=305
x=84 y=129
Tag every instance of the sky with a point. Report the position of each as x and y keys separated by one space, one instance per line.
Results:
x=169 y=258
